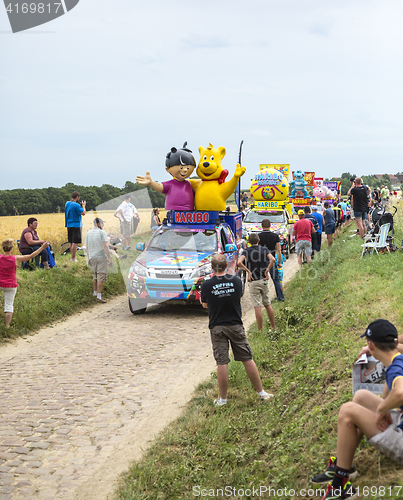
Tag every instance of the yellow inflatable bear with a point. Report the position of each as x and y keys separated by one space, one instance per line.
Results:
x=212 y=191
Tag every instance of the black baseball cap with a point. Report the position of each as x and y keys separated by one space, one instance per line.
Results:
x=380 y=330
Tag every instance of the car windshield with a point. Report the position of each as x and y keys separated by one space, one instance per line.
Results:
x=186 y=240
x=253 y=216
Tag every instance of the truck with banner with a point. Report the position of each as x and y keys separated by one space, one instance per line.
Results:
x=301 y=196
x=177 y=259
x=269 y=190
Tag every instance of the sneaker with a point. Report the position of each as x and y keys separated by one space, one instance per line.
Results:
x=220 y=402
x=73 y=260
x=347 y=491
x=328 y=474
x=101 y=301
x=266 y=395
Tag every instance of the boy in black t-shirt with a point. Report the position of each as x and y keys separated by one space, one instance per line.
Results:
x=257 y=262
x=271 y=241
x=221 y=295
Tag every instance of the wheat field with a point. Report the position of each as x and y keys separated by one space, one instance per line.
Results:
x=51 y=226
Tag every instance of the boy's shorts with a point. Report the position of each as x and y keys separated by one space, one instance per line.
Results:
x=390 y=442
x=259 y=293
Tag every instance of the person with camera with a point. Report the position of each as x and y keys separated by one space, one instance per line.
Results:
x=73 y=212
x=8 y=274
x=99 y=257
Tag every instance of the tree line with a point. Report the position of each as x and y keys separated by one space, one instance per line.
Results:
x=51 y=199
x=368 y=180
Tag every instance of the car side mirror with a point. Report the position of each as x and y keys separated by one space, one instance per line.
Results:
x=140 y=246
x=229 y=247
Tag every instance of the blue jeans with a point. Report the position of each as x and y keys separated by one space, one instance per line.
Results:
x=276 y=282
x=318 y=241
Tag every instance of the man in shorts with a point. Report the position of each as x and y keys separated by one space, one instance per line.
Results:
x=221 y=295
x=125 y=212
x=257 y=261
x=371 y=416
x=359 y=200
x=73 y=212
x=98 y=256
x=303 y=230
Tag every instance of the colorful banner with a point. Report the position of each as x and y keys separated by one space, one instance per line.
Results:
x=309 y=177
x=281 y=167
x=300 y=202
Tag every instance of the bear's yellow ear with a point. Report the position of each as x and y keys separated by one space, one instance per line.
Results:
x=201 y=149
x=222 y=151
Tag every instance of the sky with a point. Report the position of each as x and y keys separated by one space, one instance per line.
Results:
x=102 y=93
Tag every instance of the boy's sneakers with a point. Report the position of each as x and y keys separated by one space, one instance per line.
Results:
x=328 y=474
x=346 y=491
x=220 y=402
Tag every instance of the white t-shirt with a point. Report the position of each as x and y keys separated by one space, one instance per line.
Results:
x=128 y=209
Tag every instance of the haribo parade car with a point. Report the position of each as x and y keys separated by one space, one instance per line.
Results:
x=281 y=224
x=177 y=259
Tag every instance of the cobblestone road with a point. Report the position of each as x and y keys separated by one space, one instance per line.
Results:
x=80 y=400
x=72 y=394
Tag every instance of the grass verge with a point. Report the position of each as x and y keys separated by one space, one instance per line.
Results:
x=307 y=365
x=47 y=296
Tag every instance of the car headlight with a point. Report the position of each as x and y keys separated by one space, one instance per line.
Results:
x=202 y=271
x=139 y=269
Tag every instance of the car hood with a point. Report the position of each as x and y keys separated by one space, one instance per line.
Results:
x=255 y=227
x=180 y=260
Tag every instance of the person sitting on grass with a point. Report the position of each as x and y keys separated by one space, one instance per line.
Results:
x=8 y=274
x=371 y=416
x=29 y=242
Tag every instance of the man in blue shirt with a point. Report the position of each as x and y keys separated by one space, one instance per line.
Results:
x=72 y=216
x=371 y=416
x=319 y=218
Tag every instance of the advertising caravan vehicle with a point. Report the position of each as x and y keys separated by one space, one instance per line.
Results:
x=177 y=259
x=269 y=189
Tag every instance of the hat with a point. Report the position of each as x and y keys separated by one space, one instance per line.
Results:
x=379 y=330
x=301 y=212
x=314 y=207
x=97 y=220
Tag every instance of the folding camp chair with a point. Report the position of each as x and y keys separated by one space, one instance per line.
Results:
x=378 y=242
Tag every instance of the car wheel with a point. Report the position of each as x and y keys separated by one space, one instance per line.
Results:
x=287 y=250
x=137 y=306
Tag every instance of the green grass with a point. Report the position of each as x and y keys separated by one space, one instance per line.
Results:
x=47 y=296
x=307 y=365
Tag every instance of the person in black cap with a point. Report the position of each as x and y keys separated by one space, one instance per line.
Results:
x=370 y=416
x=98 y=256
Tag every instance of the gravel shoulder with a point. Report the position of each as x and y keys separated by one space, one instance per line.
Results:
x=80 y=400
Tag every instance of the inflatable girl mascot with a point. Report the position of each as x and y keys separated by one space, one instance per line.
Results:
x=179 y=191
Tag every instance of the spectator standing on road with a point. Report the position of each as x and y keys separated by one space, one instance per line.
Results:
x=29 y=242
x=99 y=257
x=8 y=274
x=371 y=416
x=343 y=206
x=359 y=200
x=319 y=219
x=244 y=200
x=125 y=212
x=271 y=241
x=221 y=295
x=303 y=230
x=315 y=223
x=257 y=262
x=330 y=223
x=73 y=212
